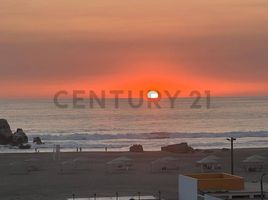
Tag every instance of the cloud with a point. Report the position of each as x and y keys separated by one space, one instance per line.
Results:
x=231 y=58
x=55 y=42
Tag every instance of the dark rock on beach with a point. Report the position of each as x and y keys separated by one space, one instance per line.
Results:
x=6 y=136
x=5 y=132
x=178 y=148
x=24 y=146
x=136 y=148
x=19 y=137
x=37 y=140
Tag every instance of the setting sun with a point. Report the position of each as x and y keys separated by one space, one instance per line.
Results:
x=152 y=94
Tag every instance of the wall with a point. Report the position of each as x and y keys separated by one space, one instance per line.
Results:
x=188 y=188
x=207 y=197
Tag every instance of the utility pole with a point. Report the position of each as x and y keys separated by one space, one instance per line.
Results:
x=159 y=194
x=232 y=139
x=117 y=195
x=262 y=195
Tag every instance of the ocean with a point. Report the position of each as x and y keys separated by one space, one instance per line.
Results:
x=94 y=128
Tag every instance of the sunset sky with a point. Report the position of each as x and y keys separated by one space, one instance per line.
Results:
x=50 y=45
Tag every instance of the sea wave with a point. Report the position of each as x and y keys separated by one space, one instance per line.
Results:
x=152 y=135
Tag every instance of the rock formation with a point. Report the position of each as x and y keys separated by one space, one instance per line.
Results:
x=178 y=148
x=5 y=132
x=6 y=136
x=136 y=148
x=19 y=137
x=37 y=140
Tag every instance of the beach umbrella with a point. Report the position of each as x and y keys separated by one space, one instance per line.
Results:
x=209 y=160
x=165 y=163
x=67 y=163
x=254 y=163
x=120 y=160
x=209 y=163
x=81 y=159
x=81 y=163
x=254 y=159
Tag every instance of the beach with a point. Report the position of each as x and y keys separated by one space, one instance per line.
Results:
x=133 y=100
x=50 y=183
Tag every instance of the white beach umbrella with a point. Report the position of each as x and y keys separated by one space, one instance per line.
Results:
x=81 y=159
x=165 y=163
x=254 y=163
x=67 y=162
x=254 y=159
x=209 y=160
x=120 y=160
x=209 y=163
x=81 y=163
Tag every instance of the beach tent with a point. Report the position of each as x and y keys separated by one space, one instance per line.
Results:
x=67 y=167
x=18 y=167
x=165 y=164
x=81 y=163
x=254 y=163
x=120 y=163
x=209 y=163
x=255 y=158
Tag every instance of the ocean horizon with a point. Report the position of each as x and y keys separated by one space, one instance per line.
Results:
x=93 y=129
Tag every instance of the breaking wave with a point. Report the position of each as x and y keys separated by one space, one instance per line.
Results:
x=144 y=136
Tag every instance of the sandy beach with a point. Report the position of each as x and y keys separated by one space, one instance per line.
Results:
x=133 y=100
x=49 y=183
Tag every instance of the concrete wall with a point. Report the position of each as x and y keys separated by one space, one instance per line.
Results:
x=188 y=188
x=207 y=197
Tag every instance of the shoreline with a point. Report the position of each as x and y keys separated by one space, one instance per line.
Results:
x=48 y=150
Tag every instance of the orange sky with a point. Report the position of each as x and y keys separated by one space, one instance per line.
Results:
x=219 y=45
